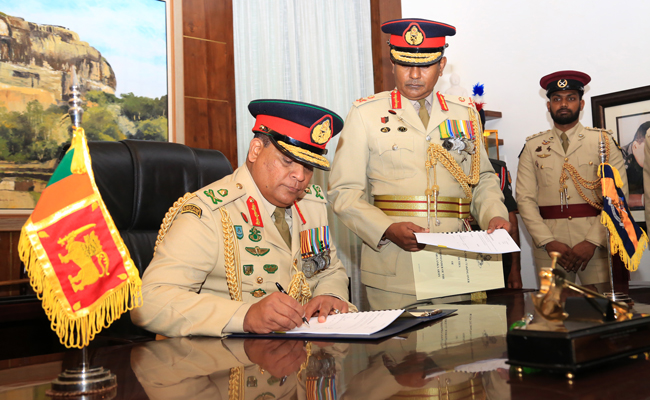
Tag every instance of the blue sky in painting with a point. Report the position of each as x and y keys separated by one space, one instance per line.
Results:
x=130 y=34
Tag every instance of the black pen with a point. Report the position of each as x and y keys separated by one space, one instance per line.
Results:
x=281 y=289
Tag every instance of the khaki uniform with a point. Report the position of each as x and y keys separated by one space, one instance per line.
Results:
x=369 y=162
x=538 y=184
x=184 y=288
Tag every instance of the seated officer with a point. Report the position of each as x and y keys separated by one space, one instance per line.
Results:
x=215 y=268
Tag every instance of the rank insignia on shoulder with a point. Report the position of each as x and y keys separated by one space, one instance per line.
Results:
x=318 y=192
x=223 y=192
x=384 y=120
x=270 y=268
x=543 y=155
x=402 y=129
x=257 y=251
x=239 y=232
x=245 y=218
x=192 y=209
x=385 y=129
x=258 y=293
x=212 y=196
x=307 y=190
x=248 y=269
x=255 y=235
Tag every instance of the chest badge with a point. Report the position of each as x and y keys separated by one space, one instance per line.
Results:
x=543 y=155
x=384 y=120
x=385 y=129
x=258 y=293
x=257 y=251
x=255 y=235
x=402 y=129
x=239 y=232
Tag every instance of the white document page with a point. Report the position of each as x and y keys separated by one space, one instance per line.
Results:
x=360 y=323
x=497 y=242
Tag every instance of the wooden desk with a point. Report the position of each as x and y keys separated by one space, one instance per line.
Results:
x=197 y=368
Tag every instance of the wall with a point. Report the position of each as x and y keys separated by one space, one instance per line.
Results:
x=509 y=45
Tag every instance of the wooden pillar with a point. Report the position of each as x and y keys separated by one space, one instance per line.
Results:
x=380 y=12
x=209 y=76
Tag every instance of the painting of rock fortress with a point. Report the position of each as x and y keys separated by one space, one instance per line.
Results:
x=36 y=61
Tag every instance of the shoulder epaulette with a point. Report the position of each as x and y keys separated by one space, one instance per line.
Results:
x=608 y=131
x=218 y=194
x=536 y=135
x=372 y=98
x=466 y=101
x=314 y=193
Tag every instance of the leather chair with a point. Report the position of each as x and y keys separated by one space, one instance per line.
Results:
x=139 y=180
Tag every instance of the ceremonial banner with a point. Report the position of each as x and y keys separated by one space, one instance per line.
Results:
x=76 y=260
x=625 y=236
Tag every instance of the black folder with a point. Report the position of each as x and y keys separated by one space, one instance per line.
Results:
x=401 y=324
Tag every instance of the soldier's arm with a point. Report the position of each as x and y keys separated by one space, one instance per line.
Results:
x=487 y=197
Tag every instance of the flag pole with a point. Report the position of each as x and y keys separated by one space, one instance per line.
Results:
x=83 y=380
x=603 y=159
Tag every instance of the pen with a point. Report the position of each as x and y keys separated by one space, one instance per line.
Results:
x=281 y=289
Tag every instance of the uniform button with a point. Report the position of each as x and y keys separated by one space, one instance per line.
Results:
x=542 y=167
x=395 y=147
x=260 y=279
x=428 y=138
x=568 y=197
x=570 y=218
x=566 y=159
x=239 y=186
x=591 y=163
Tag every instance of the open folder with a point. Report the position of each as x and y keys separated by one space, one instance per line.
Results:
x=367 y=325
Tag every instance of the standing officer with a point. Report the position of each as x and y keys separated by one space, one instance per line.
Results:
x=558 y=189
x=403 y=150
x=216 y=269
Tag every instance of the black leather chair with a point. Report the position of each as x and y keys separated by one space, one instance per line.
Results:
x=139 y=180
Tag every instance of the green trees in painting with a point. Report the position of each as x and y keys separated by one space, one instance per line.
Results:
x=36 y=134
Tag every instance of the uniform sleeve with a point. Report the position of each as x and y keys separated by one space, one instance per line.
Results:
x=347 y=191
x=173 y=304
x=526 y=189
x=487 y=198
x=597 y=234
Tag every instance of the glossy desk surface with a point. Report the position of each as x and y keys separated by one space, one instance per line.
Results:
x=460 y=357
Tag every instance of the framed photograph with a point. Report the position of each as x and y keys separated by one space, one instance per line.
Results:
x=119 y=51
x=627 y=114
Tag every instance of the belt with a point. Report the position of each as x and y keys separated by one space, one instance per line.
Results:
x=571 y=211
x=416 y=206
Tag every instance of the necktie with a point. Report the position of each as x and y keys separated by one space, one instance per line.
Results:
x=565 y=141
x=423 y=113
x=281 y=224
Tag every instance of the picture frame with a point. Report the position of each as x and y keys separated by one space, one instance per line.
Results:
x=627 y=115
x=160 y=124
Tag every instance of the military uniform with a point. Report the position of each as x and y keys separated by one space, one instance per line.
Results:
x=538 y=185
x=376 y=158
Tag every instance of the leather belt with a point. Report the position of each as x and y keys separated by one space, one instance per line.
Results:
x=416 y=206
x=572 y=211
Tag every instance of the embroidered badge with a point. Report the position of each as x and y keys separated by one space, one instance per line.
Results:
x=270 y=268
x=385 y=129
x=254 y=210
x=461 y=99
x=442 y=101
x=545 y=142
x=251 y=381
x=543 y=155
x=395 y=99
x=402 y=129
x=223 y=192
x=414 y=35
x=258 y=293
x=248 y=269
x=384 y=120
x=255 y=235
x=548 y=148
x=245 y=218
x=302 y=217
x=212 y=196
x=307 y=190
x=538 y=149
x=317 y=192
x=192 y=209
x=239 y=231
x=321 y=130
x=272 y=381
x=257 y=251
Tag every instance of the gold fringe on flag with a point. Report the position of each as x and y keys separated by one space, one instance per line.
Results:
x=616 y=244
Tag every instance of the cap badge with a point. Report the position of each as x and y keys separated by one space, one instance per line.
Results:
x=414 y=35
x=263 y=128
x=562 y=83
x=322 y=131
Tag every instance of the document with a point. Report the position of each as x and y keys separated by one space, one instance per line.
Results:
x=497 y=242
x=360 y=323
x=443 y=272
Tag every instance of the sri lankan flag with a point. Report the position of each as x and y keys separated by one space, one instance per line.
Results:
x=625 y=236
x=76 y=260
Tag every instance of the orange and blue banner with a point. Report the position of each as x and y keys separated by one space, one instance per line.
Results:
x=77 y=262
x=625 y=236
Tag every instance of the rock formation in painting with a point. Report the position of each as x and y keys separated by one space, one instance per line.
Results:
x=35 y=63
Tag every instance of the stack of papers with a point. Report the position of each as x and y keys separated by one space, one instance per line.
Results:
x=360 y=323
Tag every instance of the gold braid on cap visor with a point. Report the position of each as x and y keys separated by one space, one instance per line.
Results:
x=404 y=56
x=306 y=154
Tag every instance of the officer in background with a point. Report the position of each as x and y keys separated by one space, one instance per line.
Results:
x=402 y=149
x=558 y=189
x=215 y=269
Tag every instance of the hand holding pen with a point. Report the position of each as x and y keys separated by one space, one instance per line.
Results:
x=281 y=289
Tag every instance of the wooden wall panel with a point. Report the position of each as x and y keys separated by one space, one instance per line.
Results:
x=380 y=12
x=10 y=267
x=209 y=76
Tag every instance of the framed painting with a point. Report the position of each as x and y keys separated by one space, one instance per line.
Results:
x=119 y=51
x=627 y=114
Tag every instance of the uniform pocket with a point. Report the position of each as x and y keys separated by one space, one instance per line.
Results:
x=548 y=174
x=397 y=156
